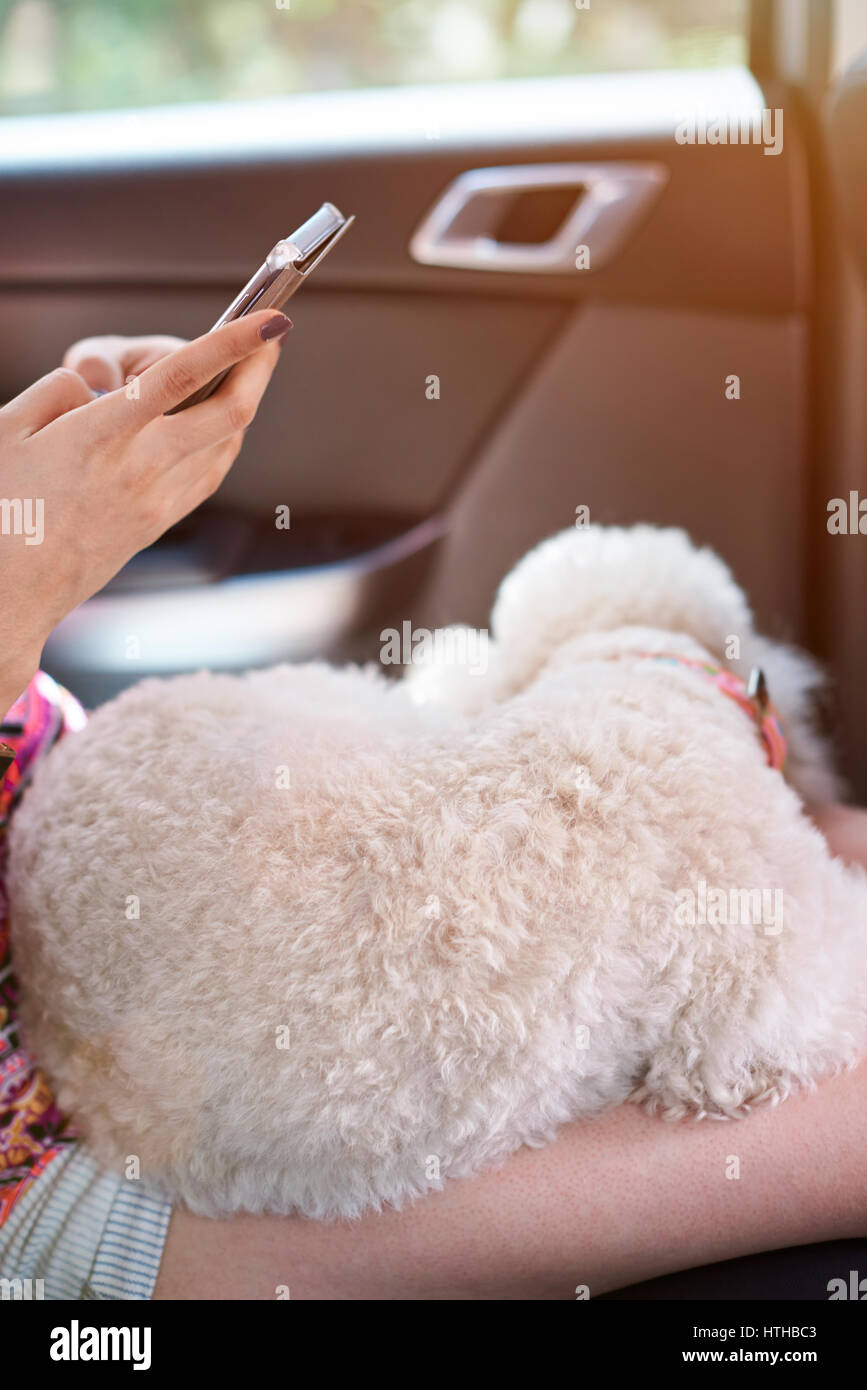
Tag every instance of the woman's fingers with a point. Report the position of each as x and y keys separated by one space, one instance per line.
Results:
x=230 y=410
x=206 y=439
x=97 y=361
x=105 y=362
x=171 y=380
x=47 y=399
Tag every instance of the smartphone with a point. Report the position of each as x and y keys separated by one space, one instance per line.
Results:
x=284 y=270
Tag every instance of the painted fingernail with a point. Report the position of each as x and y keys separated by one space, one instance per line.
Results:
x=275 y=328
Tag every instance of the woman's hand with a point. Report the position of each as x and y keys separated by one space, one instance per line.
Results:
x=107 y=362
x=89 y=481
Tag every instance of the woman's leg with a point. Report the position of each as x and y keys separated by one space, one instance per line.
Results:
x=612 y=1202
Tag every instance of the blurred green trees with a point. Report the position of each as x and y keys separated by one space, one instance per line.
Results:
x=68 y=55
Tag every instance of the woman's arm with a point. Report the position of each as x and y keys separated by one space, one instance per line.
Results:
x=613 y=1201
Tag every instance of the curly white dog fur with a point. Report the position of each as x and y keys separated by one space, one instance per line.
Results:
x=457 y=928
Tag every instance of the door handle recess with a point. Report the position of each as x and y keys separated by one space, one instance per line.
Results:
x=460 y=229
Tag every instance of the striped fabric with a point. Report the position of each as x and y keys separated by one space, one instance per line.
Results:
x=85 y=1233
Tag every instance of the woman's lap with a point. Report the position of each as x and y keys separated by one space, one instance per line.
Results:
x=619 y=1199
x=613 y=1201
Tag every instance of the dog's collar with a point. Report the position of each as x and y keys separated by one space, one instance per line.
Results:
x=751 y=695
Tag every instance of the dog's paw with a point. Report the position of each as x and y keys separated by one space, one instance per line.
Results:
x=702 y=1093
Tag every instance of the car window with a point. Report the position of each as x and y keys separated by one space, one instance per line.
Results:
x=80 y=55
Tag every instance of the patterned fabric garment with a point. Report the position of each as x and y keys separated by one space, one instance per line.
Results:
x=68 y=1230
x=32 y=1129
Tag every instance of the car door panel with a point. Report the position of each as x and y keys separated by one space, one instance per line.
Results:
x=604 y=386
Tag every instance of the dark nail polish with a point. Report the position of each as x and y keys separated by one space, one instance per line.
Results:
x=275 y=328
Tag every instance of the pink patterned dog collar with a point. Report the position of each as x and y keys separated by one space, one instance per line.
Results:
x=751 y=695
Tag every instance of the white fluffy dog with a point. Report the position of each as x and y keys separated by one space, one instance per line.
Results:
x=313 y=940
